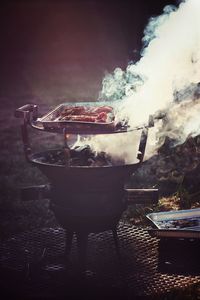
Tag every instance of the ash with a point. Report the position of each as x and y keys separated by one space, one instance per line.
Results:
x=80 y=156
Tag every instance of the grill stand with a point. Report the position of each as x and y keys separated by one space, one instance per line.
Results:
x=82 y=242
x=133 y=196
x=82 y=228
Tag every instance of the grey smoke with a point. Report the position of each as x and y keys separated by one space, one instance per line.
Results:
x=165 y=79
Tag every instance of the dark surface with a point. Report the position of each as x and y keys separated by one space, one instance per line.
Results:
x=33 y=266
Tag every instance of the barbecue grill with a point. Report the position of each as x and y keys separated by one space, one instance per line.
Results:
x=84 y=199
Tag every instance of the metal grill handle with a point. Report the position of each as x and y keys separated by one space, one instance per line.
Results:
x=142 y=196
x=26 y=112
x=37 y=192
x=143 y=139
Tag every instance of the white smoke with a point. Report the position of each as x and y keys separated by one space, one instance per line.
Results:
x=165 y=78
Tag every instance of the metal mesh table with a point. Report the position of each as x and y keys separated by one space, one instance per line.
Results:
x=32 y=264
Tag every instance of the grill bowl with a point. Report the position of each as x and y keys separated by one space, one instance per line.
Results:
x=92 y=197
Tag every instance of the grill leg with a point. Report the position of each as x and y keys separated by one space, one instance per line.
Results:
x=122 y=272
x=68 y=242
x=82 y=239
x=116 y=241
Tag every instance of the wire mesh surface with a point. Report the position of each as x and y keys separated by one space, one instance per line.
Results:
x=33 y=264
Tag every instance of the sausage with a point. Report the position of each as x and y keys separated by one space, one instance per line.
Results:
x=106 y=109
x=75 y=110
x=102 y=117
x=85 y=114
x=81 y=118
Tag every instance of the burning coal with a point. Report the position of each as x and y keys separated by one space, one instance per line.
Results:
x=79 y=156
x=165 y=79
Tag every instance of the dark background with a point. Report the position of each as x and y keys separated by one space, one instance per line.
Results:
x=55 y=49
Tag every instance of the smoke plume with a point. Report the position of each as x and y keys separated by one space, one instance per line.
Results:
x=165 y=79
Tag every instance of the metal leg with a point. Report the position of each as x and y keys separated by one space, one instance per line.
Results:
x=116 y=241
x=82 y=239
x=68 y=242
x=122 y=272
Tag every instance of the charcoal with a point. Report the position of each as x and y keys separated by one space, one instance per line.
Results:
x=76 y=162
x=91 y=162
x=84 y=156
x=102 y=159
x=79 y=156
x=82 y=149
x=53 y=157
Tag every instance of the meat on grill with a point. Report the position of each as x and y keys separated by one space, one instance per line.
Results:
x=99 y=114
x=83 y=118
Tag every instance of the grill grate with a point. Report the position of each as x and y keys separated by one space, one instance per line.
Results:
x=35 y=260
